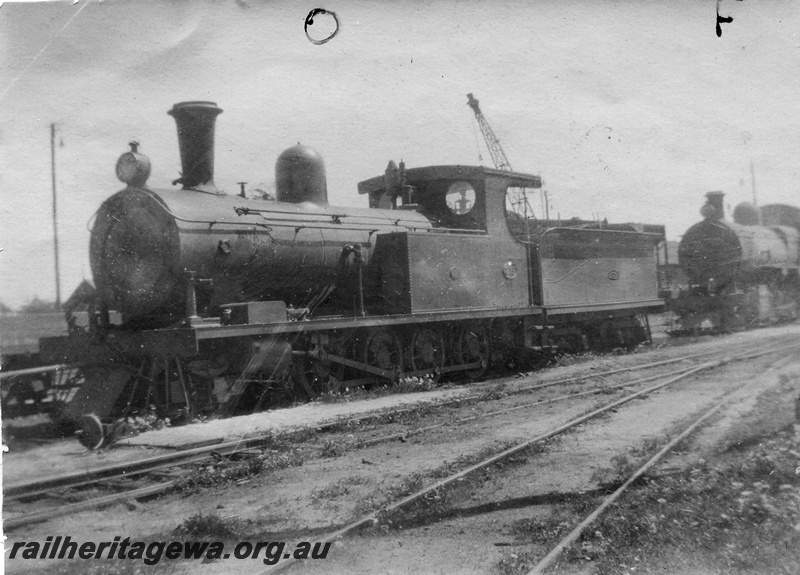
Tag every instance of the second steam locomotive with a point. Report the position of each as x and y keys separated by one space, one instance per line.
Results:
x=226 y=301
x=741 y=273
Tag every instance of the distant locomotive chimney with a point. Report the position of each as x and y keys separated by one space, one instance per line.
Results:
x=195 y=122
x=713 y=209
x=300 y=176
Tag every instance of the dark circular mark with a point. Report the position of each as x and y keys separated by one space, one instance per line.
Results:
x=613 y=275
x=310 y=22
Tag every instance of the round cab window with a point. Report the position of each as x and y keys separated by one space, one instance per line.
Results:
x=460 y=198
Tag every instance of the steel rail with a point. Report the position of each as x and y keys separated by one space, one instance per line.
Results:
x=519 y=391
x=578 y=378
x=229 y=448
x=128 y=469
x=200 y=453
x=374 y=516
x=194 y=456
x=618 y=370
x=46 y=514
x=505 y=410
x=573 y=535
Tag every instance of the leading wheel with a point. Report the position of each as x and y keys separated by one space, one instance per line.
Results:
x=91 y=432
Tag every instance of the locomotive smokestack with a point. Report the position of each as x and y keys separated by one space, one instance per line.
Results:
x=195 y=122
x=713 y=210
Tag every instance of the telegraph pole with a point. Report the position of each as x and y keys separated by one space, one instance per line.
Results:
x=55 y=210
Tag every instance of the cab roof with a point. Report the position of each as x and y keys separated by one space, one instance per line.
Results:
x=417 y=176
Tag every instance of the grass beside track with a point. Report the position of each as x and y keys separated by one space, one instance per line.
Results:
x=735 y=513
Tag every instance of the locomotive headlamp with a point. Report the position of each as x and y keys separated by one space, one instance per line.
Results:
x=133 y=168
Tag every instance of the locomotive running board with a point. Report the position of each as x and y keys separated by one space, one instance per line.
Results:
x=613 y=308
x=343 y=323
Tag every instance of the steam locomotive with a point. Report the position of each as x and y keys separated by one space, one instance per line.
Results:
x=226 y=301
x=742 y=273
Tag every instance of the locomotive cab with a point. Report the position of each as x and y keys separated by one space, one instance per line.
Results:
x=453 y=198
x=467 y=260
x=448 y=196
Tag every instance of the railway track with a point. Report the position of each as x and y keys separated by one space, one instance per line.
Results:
x=165 y=463
x=66 y=375
x=476 y=387
x=573 y=535
x=384 y=513
x=85 y=478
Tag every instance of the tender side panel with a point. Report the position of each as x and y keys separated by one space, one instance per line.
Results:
x=450 y=272
x=595 y=267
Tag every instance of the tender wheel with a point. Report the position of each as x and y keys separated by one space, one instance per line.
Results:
x=91 y=432
x=607 y=337
x=502 y=347
x=427 y=351
x=382 y=350
x=634 y=335
x=473 y=346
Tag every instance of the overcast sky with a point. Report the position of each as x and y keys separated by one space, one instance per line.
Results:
x=628 y=110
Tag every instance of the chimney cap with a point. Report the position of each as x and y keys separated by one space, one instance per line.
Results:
x=194 y=105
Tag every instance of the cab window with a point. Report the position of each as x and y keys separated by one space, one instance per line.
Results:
x=522 y=215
